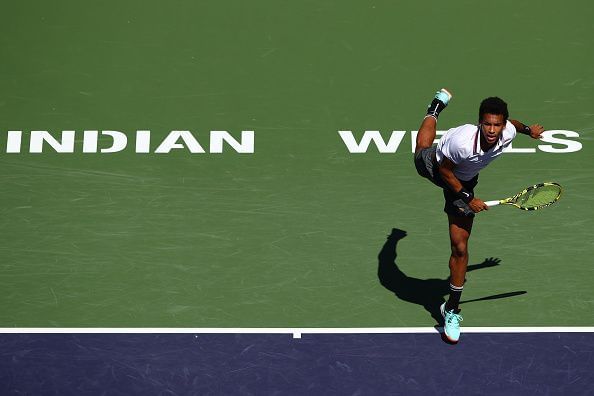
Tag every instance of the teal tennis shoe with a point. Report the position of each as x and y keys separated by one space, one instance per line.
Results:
x=439 y=102
x=444 y=96
x=451 y=327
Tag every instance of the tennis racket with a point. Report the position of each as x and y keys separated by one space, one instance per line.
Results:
x=534 y=197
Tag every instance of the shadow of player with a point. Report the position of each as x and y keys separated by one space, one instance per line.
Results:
x=429 y=293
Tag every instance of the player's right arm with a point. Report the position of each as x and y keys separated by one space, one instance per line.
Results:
x=446 y=170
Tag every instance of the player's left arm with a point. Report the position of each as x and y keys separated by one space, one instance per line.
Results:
x=534 y=131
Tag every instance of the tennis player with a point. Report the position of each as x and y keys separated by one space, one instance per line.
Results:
x=454 y=165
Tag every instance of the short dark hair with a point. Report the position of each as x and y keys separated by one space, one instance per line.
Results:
x=493 y=105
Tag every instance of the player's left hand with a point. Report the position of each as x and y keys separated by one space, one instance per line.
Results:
x=536 y=130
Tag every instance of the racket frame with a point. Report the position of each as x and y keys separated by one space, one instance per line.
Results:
x=512 y=200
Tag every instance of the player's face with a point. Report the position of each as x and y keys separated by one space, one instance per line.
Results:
x=492 y=125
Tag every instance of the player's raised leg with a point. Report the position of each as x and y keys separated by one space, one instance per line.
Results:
x=428 y=129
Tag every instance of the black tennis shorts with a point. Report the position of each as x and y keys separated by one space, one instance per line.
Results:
x=427 y=167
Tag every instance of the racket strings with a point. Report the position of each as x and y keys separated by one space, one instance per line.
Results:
x=539 y=196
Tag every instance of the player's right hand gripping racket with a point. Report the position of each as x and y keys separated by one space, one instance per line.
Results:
x=534 y=197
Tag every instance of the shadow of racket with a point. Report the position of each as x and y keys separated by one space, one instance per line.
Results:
x=496 y=296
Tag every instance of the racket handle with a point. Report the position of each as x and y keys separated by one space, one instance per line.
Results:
x=492 y=203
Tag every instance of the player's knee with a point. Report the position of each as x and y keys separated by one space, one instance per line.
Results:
x=421 y=145
x=459 y=249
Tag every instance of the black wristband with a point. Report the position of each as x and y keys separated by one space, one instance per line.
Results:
x=465 y=195
x=525 y=130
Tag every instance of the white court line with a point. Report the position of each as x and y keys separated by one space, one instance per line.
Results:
x=296 y=332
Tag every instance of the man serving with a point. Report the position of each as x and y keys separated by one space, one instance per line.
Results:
x=454 y=166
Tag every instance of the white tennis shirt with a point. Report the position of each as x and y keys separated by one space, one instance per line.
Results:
x=462 y=146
